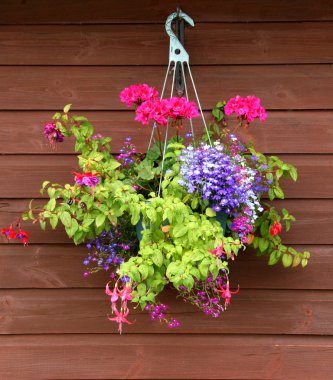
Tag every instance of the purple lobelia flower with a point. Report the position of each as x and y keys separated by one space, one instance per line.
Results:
x=224 y=179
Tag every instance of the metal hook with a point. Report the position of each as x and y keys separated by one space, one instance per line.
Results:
x=177 y=53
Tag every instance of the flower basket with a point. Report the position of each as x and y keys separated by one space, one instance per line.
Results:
x=173 y=216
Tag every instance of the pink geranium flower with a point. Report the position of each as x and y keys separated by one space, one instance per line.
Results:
x=181 y=108
x=137 y=94
x=246 y=108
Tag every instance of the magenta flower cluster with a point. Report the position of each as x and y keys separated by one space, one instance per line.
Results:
x=161 y=110
x=52 y=133
x=157 y=312
x=247 y=108
x=88 y=179
x=137 y=94
x=150 y=107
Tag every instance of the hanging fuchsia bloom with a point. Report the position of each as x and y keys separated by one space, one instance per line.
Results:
x=126 y=293
x=226 y=293
x=89 y=179
x=247 y=108
x=23 y=236
x=181 y=108
x=52 y=133
x=218 y=251
x=137 y=94
x=9 y=233
x=123 y=296
x=120 y=318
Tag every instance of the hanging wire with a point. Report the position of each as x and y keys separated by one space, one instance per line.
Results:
x=166 y=137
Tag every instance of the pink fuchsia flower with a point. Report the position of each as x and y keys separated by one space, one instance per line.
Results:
x=89 y=179
x=52 y=133
x=9 y=233
x=181 y=108
x=137 y=94
x=113 y=294
x=246 y=108
x=126 y=293
x=226 y=293
x=218 y=251
x=275 y=229
x=120 y=318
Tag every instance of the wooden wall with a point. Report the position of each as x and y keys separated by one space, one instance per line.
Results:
x=52 y=320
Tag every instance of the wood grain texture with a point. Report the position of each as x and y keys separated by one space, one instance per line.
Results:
x=251 y=312
x=313 y=225
x=283 y=132
x=193 y=357
x=113 y=11
x=98 y=88
x=58 y=169
x=60 y=266
x=259 y=43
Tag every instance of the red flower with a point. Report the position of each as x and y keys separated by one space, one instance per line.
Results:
x=9 y=233
x=275 y=229
x=23 y=236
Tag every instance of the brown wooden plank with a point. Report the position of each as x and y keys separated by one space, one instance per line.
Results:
x=98 y=88
x=143 y=357
x=283 y=132
x=106 y=11
x=33 y=170
x=85 y=311
x=60 y=266
x=258 y=43
x=313 y=225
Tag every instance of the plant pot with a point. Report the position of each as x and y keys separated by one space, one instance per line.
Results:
x=222 y=217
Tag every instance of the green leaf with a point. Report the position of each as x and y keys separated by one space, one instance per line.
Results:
x=274 y=257
x=304 y=263
x=263 y=244
x=278 y=192
x=287 y=260
x=142 y=289
x=73 y=228
x=100 y=219
x=143 y=269
x=157 y=258
x=179 y=231
x=54 y=221
x=293 y=173
x=67 y=108
x=188 y=282
x=271 y=194
x=51 y=204
x=296 y=261
x=65 y=218
x=210 y=212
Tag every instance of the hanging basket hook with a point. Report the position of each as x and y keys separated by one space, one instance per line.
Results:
x=177 y=51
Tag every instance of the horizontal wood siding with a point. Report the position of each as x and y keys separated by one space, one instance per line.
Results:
x=53 y=322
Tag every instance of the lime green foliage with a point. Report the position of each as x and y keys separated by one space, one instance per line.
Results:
x=176 y=239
